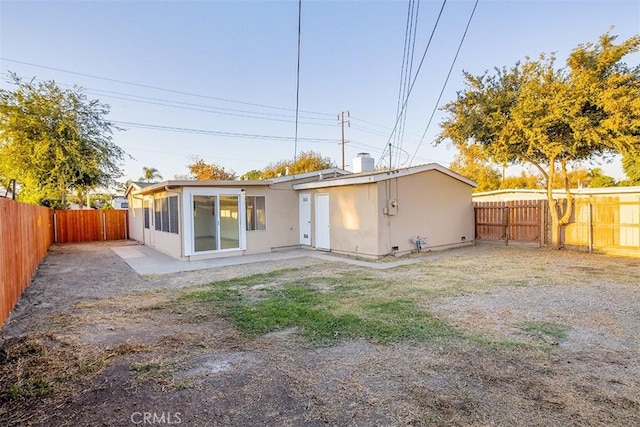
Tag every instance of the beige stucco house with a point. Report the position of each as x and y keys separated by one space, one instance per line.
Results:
x=369 y=214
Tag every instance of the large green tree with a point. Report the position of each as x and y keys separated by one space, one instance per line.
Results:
x=55 y=142
x=307 y=161
x=204 y=171
x=473 y=163
x=553 y=118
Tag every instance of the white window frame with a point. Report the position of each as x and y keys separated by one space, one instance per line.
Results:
x=187 y=215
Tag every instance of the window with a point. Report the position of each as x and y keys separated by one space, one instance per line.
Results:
x=173 y=214
x=146 y=214
x=157 y=213
x=166 y=214
x=256 y=213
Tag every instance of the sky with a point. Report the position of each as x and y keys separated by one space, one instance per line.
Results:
x=217 y=79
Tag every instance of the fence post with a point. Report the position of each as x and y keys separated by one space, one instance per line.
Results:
x=590 y=225
x=506 y=225
x=104 y=226
x=55 y=227
x=126 y=228
x=540 y=223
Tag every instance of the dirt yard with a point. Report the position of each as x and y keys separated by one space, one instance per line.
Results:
x=482 y=336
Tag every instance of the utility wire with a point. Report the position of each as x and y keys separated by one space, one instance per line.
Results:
x=219 y=133
x=413 y=28
x=395 y=126
x=295 y=149
x=159 y=88
x=190 y=106
x=435 y=107
x=404 y=66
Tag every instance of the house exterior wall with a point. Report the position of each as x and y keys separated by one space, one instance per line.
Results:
x=353 y=216
x=431 y=205
x=281 y=204
x=282 y=223
x=168 y=243
x=136 y=218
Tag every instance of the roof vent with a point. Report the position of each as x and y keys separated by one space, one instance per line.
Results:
x=363 y=163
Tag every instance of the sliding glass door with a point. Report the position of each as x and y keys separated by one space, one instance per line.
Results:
x=229 y=222
x=216 y=222
x=205 y=227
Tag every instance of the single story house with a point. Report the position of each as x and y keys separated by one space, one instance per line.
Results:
x=369 y=214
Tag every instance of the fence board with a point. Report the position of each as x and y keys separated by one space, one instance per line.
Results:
x=605 y=224
x=517 y=221
x=90 y=225
x=25 y=237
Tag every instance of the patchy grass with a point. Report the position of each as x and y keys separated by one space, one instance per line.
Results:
x=37 y=366
x=547 y=331
x=324 y=309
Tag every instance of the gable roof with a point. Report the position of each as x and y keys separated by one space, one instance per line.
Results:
x=377 y=176
x=137 y=185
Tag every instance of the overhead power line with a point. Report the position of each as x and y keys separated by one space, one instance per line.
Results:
x=194 y=107
x=435 y=107
x=295 y=150
x=160 y=88
x=413 y=82
x=220 y=133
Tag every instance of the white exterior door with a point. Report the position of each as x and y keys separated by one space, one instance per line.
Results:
x=305 y=219
x=322 y=222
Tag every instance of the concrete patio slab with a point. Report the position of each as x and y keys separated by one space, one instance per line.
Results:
x=145 y=260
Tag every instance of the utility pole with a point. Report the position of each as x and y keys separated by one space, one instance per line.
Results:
x=342 y=122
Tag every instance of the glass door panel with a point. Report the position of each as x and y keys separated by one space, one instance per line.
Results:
x=205 y=228
x=229 y=222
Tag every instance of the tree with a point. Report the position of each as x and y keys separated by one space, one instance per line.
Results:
x=523 y=181
x=533 y=113
x=307 y=161
x=150 y=174
x=209 y=171
x=631 y=167
x=54 y=142
x=599 y=179
x=252 y=175
x=473 y=163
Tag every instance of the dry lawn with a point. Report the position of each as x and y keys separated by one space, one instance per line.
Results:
x=480 y=336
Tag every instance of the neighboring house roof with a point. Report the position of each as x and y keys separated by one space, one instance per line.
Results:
x=376 y=176
x=602 y=191
x=137 y=185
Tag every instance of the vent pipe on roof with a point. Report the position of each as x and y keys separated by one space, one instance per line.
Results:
x=363 y=163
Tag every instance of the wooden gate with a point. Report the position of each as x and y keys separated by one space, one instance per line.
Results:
x=90 y=225
x=520 y=221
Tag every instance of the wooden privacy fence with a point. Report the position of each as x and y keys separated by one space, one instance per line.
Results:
x=25 y=236
x=520 y=221
x=605 y=224
x=90 y=225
